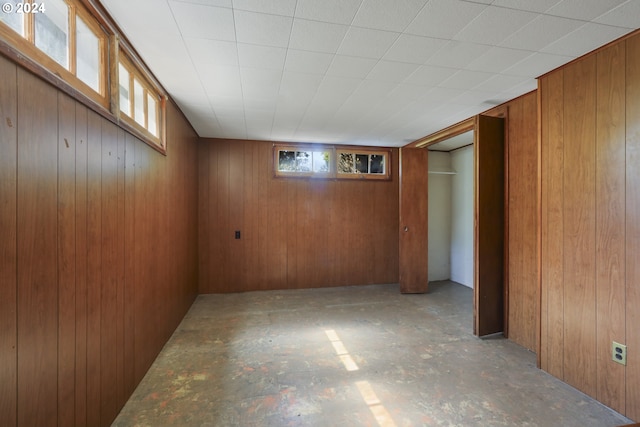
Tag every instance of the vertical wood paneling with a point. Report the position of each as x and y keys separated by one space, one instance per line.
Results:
x=279 y=226
x=94 y=265
x=96 y=260
x=8 y=242
x=236 y=275
x=632 y=224
x=129 y=226
x=81 y=264
x=553 y=226
x=119 y=267
x=610 y=231
x=110 y=246
x=66 y=259
x=204 y=214
x=37 y=251
x=579 y=224
x=144 y=270
x=522 y=217
x=223 y=232
x=296 y=233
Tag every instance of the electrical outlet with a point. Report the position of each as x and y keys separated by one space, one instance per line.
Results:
x=619 y=353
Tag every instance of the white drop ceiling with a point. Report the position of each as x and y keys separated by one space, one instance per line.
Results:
x=362 y=72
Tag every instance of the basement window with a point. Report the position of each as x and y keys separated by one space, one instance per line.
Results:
x=64 y=38
x=357 y=163
x=140 y=103
x=323 y=161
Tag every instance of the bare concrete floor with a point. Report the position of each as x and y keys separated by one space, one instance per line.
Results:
x=354 y=356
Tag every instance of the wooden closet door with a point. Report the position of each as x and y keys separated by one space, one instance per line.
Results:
x=488 y=304
x=414 y=242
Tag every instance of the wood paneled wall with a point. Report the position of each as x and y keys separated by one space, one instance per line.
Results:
x=98 y=255
x=590 y=216
x=295 y=233
x=521 y=214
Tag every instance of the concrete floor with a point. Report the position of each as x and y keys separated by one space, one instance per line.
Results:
x=354 y=356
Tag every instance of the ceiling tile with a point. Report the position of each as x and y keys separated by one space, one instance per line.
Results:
x=220 y=3
x=273 y=7
x=334 y=11
x=367 y=43
x=444 y=18
x=158 y=19
x=204 y=22
x=540 y=32
x=203 y=51
x=498 y=59
x=494 y=24
x=387 y=15
x=316 y=36
x=580 y=41
x=220 y=80
x=260 y=83
x=465 y=79
x=349 y=66
x=532 y=6
x=429 y=76
x=334 y=90
x=307 y=62
x=456 y=54
x=392 y=71
x=499 y=83
x=537 y=64
x=268 y=57
x=414 y=49
x=582 y=9
x=626 y=15
x=262 y=29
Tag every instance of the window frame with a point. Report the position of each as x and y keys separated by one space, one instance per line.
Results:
x=136 y=73
x=334 y=152
x=112 y=44
x=368 y=151
x=25 y=44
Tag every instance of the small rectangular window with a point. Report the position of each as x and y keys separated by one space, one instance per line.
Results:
x=124 y=89
x=299 y=161
x=138 y=102
x=141 y=104
x=331 y=162
x=87 y=55
x=52 y=31
x=15 y=21
x=355 y=163
x=152 y=115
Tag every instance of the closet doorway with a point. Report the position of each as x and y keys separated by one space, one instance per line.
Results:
x=488 y=218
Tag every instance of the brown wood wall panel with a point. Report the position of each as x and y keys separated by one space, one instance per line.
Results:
x=522 y=219
x=129 y=227
x=553 y=227
x=590 y=214
x=110 y=247
x=579 y=227
x=94 y=265
x=295 y=233
x=632 y=224
x=610 y=227
x=37 y=251
x=81 y=263
x=8 y=249
x=96 y=271
x=66 y=259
